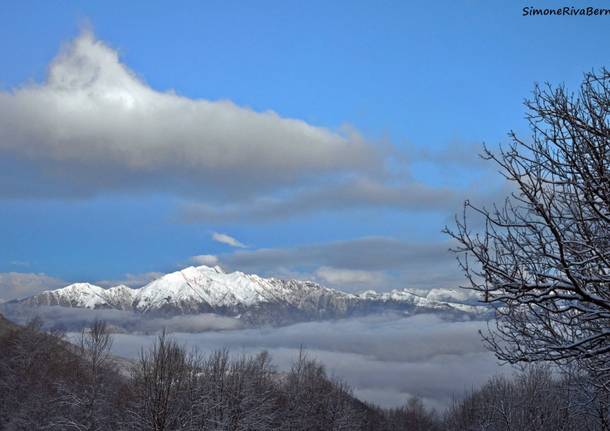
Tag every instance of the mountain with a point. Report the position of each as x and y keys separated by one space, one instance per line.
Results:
x=252 y=299
x=86 y=295
x=5 y=325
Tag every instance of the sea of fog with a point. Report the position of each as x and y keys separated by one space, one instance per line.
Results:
x=385 y=358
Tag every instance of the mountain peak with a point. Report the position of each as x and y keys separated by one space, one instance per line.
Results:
x=249 y=297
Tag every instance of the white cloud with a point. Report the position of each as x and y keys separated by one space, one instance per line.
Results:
x=94 y=126
x=93 y=115
x=22 y=284
x=205 y=259
x=131 y=280
x=228 y=240
x=342 y=276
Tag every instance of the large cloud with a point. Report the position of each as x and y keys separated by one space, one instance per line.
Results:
x=94 y=125
x=68 y=318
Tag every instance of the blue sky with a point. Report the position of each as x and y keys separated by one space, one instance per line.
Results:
x=380 y=109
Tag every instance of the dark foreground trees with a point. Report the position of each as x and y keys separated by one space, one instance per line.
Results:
x=543 y=257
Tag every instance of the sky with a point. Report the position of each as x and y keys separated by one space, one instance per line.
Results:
x=324 y=140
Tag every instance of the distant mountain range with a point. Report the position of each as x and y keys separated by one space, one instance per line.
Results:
x=252 y=299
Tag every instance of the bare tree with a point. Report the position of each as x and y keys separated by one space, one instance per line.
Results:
x=160 y=383
x=312 y=401
x=237 y=394
x=543 y=257
x=95 y=345
x=89 y=398
x=533 y=399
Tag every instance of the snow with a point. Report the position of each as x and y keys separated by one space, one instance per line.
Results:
x=203 y=287
x=205 y=284
x=437 y=298
x=84 y=295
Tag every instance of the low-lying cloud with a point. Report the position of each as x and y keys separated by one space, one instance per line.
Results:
x=22 y=284
x=70 y=319
x=385 y=358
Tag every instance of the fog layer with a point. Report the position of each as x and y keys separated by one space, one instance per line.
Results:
x=386 y=359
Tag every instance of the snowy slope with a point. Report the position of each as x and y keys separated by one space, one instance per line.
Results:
x=433 y=299
x=203 y=287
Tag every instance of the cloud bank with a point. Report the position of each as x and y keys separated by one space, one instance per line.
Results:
x=71 y=319
x=368 y=253
x=95 y=127
x=96 y=121
x=21 y=284
x=385 y=358
x=356 y=193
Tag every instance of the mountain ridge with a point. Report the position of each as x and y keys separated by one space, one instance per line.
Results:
x=251 y=298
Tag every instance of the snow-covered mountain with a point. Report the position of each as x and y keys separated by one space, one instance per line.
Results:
x=85 y=295
x=251 y=298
